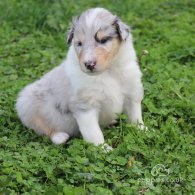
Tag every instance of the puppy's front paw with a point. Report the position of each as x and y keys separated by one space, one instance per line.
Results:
x=106 y=148
x=141 y=126
x=59 y=138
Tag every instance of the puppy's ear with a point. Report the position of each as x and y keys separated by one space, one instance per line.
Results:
x=70 y=35
x=70 y=32
x=122 y=29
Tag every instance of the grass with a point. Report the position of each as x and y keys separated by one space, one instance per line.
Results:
x=33 y=42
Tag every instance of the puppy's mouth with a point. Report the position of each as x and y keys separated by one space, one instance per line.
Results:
x=93 y=72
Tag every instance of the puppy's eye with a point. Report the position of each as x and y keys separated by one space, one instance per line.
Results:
x=105 y=40
x=79 y=44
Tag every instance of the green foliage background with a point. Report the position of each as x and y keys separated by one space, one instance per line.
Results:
x=32 y=41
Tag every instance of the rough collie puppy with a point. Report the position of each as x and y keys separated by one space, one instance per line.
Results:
x=99 y=78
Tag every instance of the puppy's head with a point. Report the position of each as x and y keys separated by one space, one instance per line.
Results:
x=97 y=36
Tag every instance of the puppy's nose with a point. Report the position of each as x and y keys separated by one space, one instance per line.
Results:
x=90 y=65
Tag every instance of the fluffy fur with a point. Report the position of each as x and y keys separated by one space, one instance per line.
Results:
x=99 y=78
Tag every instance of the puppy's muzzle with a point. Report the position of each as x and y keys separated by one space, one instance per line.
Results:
x=90 y=65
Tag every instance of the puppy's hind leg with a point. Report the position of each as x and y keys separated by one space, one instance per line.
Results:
x=59 y=137
x=27 y=106
x=43 y=128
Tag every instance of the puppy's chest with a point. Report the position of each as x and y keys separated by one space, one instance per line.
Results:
x=105 y=94
x=112 y=104
x=112 y=100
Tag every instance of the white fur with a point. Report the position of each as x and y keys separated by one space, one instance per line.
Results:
x=60 y=138
x=70 y=101
x=92 y=16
